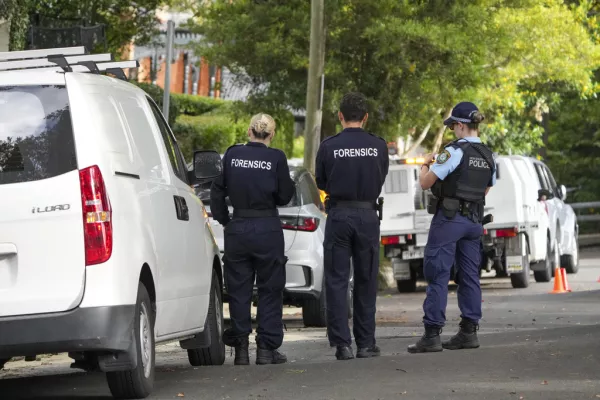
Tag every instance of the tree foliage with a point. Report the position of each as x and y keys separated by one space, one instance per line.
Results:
x=126 y=21
x=413 y=59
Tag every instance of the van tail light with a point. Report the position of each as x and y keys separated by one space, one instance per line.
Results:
x=306 y=224
x=506 y=232
x=97 y=216
x=385 y=240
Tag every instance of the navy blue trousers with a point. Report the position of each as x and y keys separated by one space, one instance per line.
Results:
x=351 y=233
x=455 y=241
x=254 y=247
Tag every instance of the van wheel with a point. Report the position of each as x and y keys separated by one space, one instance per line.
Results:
x=546 y=274
x=314 y=311
x=407 y=286
x=139 y=382
x=215 y=353
x=571 y=261
x=521 y=280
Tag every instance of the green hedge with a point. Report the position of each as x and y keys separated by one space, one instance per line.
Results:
x=197 y=105
x=208 y=132
x=156 y=93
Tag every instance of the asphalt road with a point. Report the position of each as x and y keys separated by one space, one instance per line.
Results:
x=534 y=345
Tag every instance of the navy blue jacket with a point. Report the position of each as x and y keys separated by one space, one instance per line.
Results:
x=352 y=165
x=255 y=177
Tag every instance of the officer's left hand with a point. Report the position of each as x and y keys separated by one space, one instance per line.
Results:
x=429 y=158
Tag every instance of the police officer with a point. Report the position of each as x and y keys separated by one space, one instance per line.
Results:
x=351 y=168
x=459 y=179
x=257 y=179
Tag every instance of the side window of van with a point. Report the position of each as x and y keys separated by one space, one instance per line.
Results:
x=541 y=176
x=170 y=144
x=140 y=128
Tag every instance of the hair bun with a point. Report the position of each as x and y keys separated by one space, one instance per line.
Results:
x=477 y=117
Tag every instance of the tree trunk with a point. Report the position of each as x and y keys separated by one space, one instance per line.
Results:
x=439 y=137
x=422 y=136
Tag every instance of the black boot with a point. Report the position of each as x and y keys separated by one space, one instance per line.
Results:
x=429 y=342
x=242 y=357
x=240 y=344
x=343 y=353
x=368 y=352
x=466 y=338
x=266 y=356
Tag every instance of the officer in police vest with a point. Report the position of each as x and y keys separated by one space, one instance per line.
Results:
x=351 y=168
x=257 y=179
x=459 y=179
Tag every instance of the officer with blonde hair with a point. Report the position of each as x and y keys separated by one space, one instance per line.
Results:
x=256 y=178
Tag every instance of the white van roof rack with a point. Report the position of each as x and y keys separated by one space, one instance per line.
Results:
x=67 y=59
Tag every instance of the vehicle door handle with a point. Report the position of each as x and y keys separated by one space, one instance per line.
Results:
x=181 y=208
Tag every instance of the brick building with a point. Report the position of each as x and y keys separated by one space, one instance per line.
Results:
x=190 y=74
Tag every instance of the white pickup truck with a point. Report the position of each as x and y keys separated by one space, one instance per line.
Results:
x=532 y=230
x=405 y=223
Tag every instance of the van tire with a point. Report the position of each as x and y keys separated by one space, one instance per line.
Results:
x=571 y=261
x=215 y=353
x=546 y=274
x=521 y=280
x=407 y=285
x=139 y=382
x=314 y=311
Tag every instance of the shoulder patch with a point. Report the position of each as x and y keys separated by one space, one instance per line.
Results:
x=442 y=157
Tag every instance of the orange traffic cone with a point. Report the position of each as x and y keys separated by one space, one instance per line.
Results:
x=565 y=280
x=559 y=286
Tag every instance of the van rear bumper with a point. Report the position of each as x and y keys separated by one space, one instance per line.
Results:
x=81 y=329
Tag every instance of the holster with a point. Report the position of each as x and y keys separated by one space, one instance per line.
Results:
x=450 y=207
x=380 y=207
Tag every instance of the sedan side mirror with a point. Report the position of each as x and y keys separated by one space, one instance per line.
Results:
x=563 y=192
x=207 y=165
x=544 y=193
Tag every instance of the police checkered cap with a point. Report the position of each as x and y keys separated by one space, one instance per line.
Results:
x=462 y=112
x=262 y=123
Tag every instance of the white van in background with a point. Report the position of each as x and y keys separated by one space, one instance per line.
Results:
x=533 y=229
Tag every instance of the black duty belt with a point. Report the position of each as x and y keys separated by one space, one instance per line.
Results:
x=368 y=205
x=249 y=213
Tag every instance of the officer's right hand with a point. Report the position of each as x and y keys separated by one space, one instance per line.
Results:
x=429 y=158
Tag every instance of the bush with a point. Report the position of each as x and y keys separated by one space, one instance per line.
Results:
x=204 y=133
x=197 y=105
x=157 y=93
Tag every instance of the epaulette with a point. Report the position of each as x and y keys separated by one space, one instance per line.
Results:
x=231 y=147
x=378 y=137
x=329 y=138
x=453 y=144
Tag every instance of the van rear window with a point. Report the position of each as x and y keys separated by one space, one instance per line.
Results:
x=36 y=134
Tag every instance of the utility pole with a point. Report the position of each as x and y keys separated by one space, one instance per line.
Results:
x=167 y=90
x=314 y=93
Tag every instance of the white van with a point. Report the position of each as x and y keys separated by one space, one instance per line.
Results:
x=533 y=228
x=405 y=223
x=105 y=250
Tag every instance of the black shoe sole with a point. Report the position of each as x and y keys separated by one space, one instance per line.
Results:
x=461 y=346
x=269 y=361
x=367 y=355
x=416 y=350
x=344 y=358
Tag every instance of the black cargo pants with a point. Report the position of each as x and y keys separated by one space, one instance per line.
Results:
x=255 y=247
x=351 y=233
